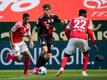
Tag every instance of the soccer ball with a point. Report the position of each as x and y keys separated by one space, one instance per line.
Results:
x=42 y=71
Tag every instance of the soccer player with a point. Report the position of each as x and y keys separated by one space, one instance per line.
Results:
x=76 y=32
x=16 y=34
x=46 y=25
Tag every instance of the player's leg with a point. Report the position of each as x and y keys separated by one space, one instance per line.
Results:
x=15 y=55
x=85 y=63
x=84 y=48
x=48 y=54
x=26 y=54
x=45 y=55
x=26 y=62
x=38 y=64
x=42 y=56
x=63 y=64
x=68 y=51
x=41 y=59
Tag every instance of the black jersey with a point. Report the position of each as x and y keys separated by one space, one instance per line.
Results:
x=42 y=23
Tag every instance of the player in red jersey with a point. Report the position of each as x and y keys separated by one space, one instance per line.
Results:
x=76 y=32
x=18 y=31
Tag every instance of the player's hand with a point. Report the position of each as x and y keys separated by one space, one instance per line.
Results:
x=13 y=46
x=65 y=21
x=95 y=47
x=31 y=44
x=98 y=57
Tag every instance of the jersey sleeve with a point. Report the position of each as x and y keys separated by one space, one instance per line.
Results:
x=90 y=25
x=68 y=26
x=29 y=30
x=15 y=27
x=57 y=18
x=90 y=31
x=37 y=23
x=68 y=30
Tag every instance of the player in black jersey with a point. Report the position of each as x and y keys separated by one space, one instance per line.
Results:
x=46 y=25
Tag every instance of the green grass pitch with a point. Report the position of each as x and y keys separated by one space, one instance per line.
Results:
x=67 y=75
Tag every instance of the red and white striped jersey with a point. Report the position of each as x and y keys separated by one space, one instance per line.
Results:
x=19 y=31
x=79 y=26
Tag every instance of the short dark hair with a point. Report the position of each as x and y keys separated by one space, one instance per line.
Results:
x=82 y=12
x=47 y=6
x=26 y=15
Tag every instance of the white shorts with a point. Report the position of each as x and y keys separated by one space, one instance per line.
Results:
x=76 y=43
x=19 y=48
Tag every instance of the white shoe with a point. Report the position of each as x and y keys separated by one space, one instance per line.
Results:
x=59 y=72
x=84 y=74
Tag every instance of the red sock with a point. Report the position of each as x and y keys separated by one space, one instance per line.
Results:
x=26 y=63
x=13 y=58
x=64 y=61
x=85 y=60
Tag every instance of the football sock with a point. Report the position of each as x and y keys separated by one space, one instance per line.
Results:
x=45 y=60
x=13 y=58
x=85 y=60
x=64 y=61
x=41 y=61
x=26 y=63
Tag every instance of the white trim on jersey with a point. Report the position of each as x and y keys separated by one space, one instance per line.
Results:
x=90 y=25
x=68 y=26
x=16 y=26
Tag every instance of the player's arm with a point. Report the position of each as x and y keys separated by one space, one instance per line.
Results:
x=31 y=38
x=33 y=33
x=57 y=19
x=11 y=39
x=31 y=44
x=29 y=32
x=34 y=29
x=68 y=31
x=13 y=29
x=91 y=35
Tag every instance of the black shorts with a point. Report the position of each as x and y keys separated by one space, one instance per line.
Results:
x=47 y=42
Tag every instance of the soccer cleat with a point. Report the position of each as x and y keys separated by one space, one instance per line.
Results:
x=35 y=70
x=26 y=72
x=8 y=57
x=84 y=74
x=59 y=73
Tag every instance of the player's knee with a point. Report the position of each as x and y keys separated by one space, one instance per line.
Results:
x=67 y=55
x=45 y=50
x=86 y=52
x=18 y=58
x=26 y=54
x=47 y=56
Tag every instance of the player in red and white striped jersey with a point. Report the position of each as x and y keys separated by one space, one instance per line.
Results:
x=16 y=34
x=76 y=31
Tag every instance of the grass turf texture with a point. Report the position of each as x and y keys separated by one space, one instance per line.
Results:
x=67 y=75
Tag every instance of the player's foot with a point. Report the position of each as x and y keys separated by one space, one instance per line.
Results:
x=59 y=73
x=35 y=70
x=8 y=57
x=26 y=72
x=84 y=74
